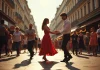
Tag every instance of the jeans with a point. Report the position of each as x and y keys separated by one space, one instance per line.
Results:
x=17 y=46
x=30 y=48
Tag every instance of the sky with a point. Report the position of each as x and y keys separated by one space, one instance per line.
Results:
x=41 y=9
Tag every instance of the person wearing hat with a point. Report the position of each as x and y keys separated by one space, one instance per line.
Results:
x=17 y=36
x=66 y=37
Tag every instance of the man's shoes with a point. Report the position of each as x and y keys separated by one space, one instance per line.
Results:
x=30 y=58
x=68 y=60
x=63 y=60
x=17 y=55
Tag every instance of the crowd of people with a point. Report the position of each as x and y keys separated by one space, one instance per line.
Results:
x=83 y=41
x=14 y=40
x=89 y=41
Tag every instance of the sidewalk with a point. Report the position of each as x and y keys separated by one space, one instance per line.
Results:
x=82 y=62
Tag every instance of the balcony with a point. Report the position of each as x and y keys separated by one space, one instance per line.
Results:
x=18 y=17
x=11 y=3
x=76 y=6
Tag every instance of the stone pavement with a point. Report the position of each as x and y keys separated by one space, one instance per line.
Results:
x=82 y=62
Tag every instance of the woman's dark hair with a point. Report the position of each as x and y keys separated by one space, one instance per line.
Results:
x=44 y=22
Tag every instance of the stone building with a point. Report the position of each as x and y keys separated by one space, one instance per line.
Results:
x=83 y=14
x=16 y=13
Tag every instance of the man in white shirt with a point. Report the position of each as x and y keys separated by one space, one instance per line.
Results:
x=98 y=36
x=66 y=37
x=30 y=33
x=17 y=36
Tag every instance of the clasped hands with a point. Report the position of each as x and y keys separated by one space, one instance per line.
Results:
x=57 y=32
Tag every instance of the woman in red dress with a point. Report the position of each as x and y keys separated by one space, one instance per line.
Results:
x=47 y=48
x=93 y=41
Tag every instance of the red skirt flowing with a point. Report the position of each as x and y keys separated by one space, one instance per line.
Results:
x=47 y=48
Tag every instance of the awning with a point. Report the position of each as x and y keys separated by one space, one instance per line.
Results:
x=7 y=18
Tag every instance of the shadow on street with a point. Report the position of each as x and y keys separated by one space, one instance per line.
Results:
x=47 y=65
x=7 y=59
x=70 y=67
x=23 y=63
x=82 y=56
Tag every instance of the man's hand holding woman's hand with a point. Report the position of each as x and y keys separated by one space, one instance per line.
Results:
x=57 y=33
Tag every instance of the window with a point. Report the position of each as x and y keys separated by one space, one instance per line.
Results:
x=99 y=2
x=6 y=8
x=88 y=7
x=9 y=12
x=75 y=2
x=84 y=10
x=75 y=16
x=2 y=5
x=93 y=2
x=78 y=14
x=78 y=0
x=81 y=12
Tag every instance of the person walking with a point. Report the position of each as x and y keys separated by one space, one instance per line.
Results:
x=47 y=48
x=30 y=33
x=75 y=42
x=17 y=38
x=66 y=37
x=3 y=32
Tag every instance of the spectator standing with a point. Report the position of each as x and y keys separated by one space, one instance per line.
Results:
x=86 y=41
x=81 y=42
x=75 y=42
x=93 y=41
x=98 y=36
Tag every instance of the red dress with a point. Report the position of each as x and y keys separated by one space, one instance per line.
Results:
x=47 y=48
x=93 y=39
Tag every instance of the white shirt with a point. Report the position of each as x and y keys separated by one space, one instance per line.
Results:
x=98 y=31
x=66 y=27
x=17 y=36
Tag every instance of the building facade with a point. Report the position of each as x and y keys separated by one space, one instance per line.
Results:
x=16 y=13
x=83 y=14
